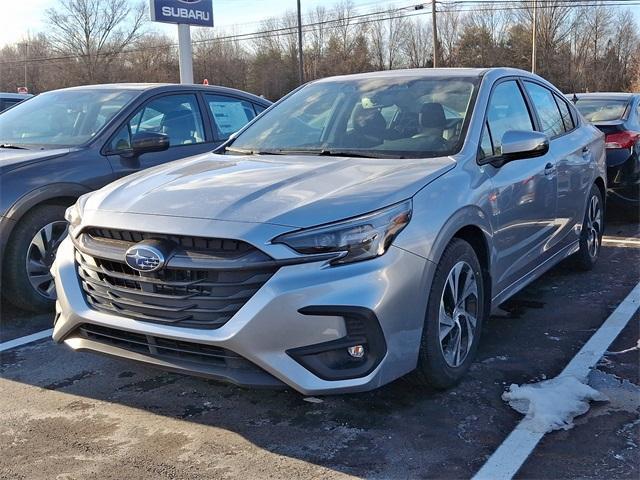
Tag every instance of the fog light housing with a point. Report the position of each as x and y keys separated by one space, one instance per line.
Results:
x=355 y=355
x=357 y=351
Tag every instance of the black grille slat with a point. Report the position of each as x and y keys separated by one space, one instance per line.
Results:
x=179 y=296
x=198 y=244
x=155 y=298
x=160 y=346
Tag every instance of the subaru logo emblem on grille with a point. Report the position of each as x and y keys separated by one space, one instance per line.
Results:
x=144 y=258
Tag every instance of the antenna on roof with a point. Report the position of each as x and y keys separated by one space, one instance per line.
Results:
x=574 y=99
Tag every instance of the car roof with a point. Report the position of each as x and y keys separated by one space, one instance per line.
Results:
x=17 y=96
x=604 y=95
x=433 y=72
x=170 y=87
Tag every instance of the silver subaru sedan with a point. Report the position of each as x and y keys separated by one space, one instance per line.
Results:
x=360 y=229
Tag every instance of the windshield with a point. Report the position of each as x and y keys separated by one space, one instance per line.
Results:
x=62 y=118
x=600 y=109
x=378 y=117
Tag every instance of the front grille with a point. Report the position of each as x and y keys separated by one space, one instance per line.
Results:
x=222 y=246
x=165 y=348
x=226 y=277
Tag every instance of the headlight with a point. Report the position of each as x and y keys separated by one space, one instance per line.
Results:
x=360 y=238
x=73 y=214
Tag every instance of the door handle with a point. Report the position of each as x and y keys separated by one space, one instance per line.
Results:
x=549 y=169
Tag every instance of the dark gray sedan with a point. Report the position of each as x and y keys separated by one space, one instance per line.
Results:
x=64 y=143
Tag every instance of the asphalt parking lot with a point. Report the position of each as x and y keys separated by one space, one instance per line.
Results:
x=69 y=415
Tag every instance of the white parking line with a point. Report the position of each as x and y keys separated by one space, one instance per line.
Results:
x=18 y=342
x=621 y=241
x=516 y=448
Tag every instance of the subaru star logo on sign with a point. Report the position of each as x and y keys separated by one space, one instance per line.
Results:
x=187 y=12
x=144 y=258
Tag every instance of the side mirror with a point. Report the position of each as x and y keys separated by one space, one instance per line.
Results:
x=519 y=144
x=147 y=142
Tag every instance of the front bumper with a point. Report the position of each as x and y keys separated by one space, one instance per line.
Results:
x=277 y=320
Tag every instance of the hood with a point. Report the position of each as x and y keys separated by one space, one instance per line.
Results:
x=296 y=191
x=11 y=158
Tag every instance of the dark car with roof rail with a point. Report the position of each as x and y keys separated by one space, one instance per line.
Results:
x=8 y=100
x=64 y=143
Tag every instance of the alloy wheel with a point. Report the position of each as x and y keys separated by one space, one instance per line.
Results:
x=40 y=256
x=594 y=226
x=458 y=314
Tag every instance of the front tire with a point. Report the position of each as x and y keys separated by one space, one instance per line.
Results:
x=592 y=231
x=454 y=318
x=27 y=282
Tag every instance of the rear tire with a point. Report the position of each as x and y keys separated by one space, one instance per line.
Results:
x=453 y=322
x=592 y=231
x=26 y=281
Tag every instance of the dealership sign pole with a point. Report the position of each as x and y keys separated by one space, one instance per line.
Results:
x=185 y=13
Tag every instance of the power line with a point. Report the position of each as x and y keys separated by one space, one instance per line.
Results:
x=282 y=31
x=377 y=16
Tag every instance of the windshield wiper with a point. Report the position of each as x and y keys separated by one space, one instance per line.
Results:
x=244 y=151
x=316 y=152
x=14 y=147
x=357 y=154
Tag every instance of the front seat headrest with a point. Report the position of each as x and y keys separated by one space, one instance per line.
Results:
x=432 y=116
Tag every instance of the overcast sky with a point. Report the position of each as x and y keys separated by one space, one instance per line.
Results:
x=27 y=16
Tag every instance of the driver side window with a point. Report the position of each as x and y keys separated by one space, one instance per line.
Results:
x=507 y=110
x=176 y=116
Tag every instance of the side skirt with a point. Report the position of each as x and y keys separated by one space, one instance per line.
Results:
x=534 y=274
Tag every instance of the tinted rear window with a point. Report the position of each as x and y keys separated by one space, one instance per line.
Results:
x=601 y=109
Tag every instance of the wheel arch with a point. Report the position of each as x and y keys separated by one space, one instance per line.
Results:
x=471 y=225
x=601 y=184
x=55 y=194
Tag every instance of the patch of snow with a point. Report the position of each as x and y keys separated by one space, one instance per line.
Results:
x=501 y=358
x=632 y=349
x=623 y=395
x=313 y=400
x=552 y=404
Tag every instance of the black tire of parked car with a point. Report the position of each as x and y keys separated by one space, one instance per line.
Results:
x=584 y=259
x=16 y=287
x=433 y=369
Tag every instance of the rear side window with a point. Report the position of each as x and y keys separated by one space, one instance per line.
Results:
x=564 y=113
x=547 y=109
x=8 y=103
x=230 y=114
x=507 y=111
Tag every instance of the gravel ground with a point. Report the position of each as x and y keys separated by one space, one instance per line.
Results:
x=68 y=415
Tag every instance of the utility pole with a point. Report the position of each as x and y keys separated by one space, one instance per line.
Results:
x=300 y=53
x=533 y=37
x=435 y=34
x=26 y=58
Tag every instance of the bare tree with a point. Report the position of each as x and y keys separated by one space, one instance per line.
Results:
x=222 y=61
x=449 y=27
x=582 y=47
x=387 y=32
x=95 y=31
x=315 y=41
